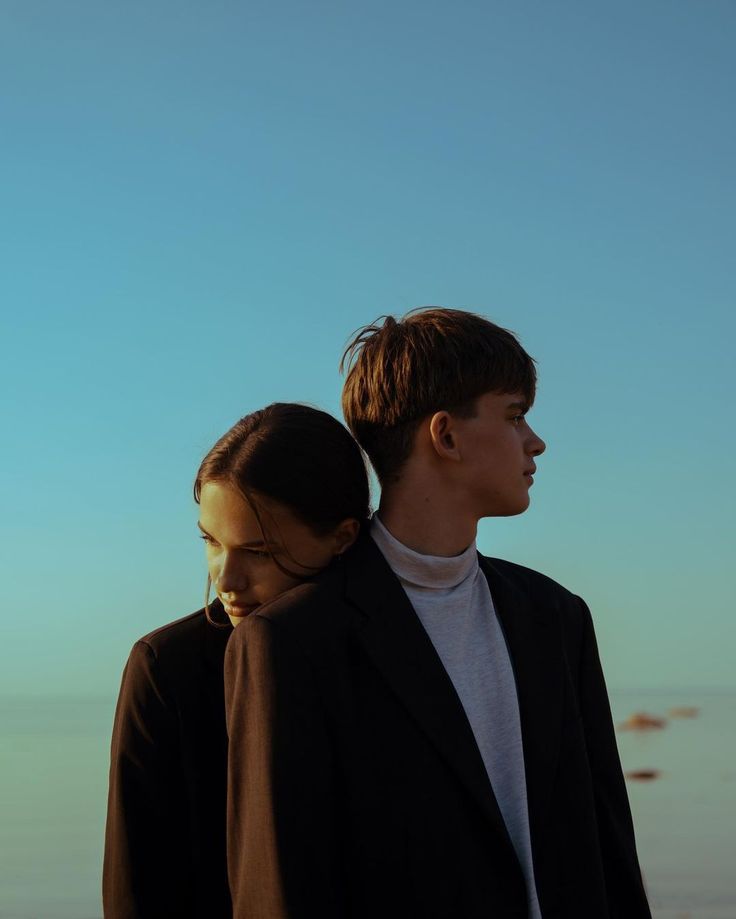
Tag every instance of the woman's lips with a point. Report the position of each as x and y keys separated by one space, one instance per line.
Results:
x=238 y=611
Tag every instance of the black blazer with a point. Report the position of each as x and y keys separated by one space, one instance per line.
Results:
x=165 y=833
x=356 y=788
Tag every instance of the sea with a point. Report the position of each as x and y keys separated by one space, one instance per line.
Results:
x=53 y=780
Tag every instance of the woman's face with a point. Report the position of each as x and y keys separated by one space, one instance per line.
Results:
x=241 y=562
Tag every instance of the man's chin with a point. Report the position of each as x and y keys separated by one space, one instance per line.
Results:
x=510 y=509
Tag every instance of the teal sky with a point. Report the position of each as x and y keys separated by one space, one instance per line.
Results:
x=200 y=202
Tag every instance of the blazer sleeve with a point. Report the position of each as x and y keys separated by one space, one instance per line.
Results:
x=624 y=886
x=146 y=862
x=282 y=831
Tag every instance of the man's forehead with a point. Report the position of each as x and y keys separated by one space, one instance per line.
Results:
x=516 y=401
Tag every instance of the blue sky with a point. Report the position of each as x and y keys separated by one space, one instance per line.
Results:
x=201 y=202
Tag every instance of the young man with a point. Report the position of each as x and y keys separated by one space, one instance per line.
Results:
x=423 y=732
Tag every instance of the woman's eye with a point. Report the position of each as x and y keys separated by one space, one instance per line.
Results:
x=257 y=553
x=208 y=539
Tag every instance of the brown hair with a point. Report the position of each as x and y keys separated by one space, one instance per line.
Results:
x=433 y=359
x=296 y=455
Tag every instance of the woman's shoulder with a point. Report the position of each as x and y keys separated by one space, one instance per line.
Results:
x=177 y=655
x=177 y=646
x=177 y=635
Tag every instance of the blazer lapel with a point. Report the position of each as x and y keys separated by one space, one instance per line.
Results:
x=398 y=645
x=215 y=640
x=527 y=623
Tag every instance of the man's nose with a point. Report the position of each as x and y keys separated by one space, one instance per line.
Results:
x=537 y=445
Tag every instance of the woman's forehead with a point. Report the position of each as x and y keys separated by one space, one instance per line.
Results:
x=228 y=515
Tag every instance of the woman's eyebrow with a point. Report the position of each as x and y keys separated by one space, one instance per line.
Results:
x=258 y=544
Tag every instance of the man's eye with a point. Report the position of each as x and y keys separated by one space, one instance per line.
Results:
x=517 y=419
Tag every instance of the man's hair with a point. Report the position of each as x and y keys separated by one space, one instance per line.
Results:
x=431 y=360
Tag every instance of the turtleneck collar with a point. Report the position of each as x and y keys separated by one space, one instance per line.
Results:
x=428 y=571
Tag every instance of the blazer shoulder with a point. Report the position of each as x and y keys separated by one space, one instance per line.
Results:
x=542 y=590
x=311 y=617
x=312 y=602
x=174 y=661
x=179 y=650
x=528 y=578
x=178 y=636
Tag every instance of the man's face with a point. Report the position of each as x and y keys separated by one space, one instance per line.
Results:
x=497 y=448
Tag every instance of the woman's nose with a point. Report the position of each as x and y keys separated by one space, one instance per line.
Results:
x=231 y=577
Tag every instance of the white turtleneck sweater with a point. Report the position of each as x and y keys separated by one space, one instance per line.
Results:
x=453 y=601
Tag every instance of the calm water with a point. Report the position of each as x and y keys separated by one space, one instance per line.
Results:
x=685 y=820
x=53 y=775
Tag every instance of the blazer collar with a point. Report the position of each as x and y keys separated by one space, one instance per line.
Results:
x=396 y=641
x=398 y=645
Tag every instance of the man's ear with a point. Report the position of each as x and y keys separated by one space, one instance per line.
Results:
x=443 y=436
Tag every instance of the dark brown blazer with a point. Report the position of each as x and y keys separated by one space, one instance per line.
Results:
x=356 y=788
x=165 y=833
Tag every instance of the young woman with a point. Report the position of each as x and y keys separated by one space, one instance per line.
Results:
x=282 y=495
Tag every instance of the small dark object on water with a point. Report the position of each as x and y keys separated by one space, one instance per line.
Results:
x=643 y=775
x=640 y=721
x=684 y=711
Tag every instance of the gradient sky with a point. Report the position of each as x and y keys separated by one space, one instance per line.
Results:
x=200 y=202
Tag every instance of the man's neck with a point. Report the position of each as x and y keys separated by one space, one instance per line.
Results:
x=426 y=521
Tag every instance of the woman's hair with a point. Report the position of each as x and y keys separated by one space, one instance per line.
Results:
x=298 y=456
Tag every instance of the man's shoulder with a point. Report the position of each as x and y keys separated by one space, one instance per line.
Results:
x=315 y=602
x=546 y=599
x=522 y=575
x=327 y=599
x=536 y=585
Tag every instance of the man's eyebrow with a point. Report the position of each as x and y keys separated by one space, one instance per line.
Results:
x=258 y=544
x=520 y=406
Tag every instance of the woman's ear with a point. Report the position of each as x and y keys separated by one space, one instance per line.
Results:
x=344 y=535
x=442 y=436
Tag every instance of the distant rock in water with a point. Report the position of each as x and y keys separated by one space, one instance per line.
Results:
x=684 y=711
x=643 y=775
x=640 y=721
